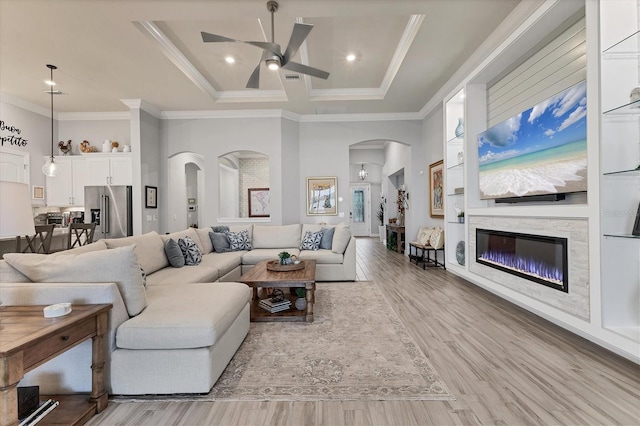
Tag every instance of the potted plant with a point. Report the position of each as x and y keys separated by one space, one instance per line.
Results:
x=381 y=228
x=285 y=258
x=461 y=217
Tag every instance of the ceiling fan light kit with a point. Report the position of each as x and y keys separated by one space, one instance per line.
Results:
x=272 y=56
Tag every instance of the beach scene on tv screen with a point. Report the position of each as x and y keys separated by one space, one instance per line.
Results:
x=540 y=151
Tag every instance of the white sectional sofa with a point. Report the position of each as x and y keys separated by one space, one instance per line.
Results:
x=177 y=333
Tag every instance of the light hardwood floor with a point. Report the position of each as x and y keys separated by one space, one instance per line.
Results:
x=505 y=366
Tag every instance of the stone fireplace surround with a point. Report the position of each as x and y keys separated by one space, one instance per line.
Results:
x=576 y=301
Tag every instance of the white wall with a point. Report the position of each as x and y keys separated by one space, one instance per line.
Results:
x=211 y=138
x=292 y=185
x=36 y=130
x=94 y=131
x=433 y=134
x=324 y=151
x=150 y=168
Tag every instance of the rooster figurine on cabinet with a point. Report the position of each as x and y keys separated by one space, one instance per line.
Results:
x=65 y=148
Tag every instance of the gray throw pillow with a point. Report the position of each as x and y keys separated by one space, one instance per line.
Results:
x=221 y=229
x=327 y=238
x=220 y=242
x=174 y=253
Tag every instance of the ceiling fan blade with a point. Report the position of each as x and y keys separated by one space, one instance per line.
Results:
x=254 y=80
x=212 y=38
x=314 y=72
x=273 y=48
x=298 y=36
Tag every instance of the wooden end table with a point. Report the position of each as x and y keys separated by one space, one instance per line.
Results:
x=260 y=277
x=28 y=339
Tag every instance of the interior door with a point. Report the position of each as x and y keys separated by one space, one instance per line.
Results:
x=360 y=214
x=14 y=166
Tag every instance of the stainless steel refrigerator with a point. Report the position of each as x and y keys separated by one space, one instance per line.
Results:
x=109 y=207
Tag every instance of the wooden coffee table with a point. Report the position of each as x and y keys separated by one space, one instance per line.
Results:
x=260 y=277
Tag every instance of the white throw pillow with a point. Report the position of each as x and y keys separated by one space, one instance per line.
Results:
x=437 y=238
x=118 y=265
x=149 y=249
x=424 y=235
x=341 y=238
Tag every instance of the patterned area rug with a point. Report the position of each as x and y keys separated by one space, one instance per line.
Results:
x=357 y=349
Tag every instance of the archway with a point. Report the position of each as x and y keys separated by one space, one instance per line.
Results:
x=185 y=179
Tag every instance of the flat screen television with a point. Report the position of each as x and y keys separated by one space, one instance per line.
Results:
x=539 y=152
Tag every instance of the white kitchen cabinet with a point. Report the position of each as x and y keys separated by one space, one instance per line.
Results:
x=109 y=169
x=67 y=187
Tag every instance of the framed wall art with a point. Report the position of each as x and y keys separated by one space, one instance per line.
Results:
x=322 y=196
x=259 y=202
x=38 y=192
x=151 y=197
x=436 y=189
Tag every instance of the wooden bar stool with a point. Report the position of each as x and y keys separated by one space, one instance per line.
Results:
x=80 y=234
x=40 y=242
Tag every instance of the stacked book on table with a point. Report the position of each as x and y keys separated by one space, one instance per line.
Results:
x=274 y=307
x=39 y=413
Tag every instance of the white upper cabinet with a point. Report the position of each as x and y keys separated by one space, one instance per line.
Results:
x=67 y=187
x=113 y=169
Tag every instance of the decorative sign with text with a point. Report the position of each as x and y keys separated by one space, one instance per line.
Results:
x=11 y=135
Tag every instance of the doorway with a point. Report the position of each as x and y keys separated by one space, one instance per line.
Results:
x=360 y=214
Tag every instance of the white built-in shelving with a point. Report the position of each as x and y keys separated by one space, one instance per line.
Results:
x=454 y=178
x=620 y=167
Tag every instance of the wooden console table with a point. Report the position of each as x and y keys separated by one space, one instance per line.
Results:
x=28 y=339
x=399 y=231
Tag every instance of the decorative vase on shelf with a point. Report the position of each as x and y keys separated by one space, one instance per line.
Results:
x=106 y=146
x=460 y=128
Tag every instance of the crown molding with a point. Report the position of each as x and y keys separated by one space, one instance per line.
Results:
x=177 y=57
x=241 y=113
x=336 y=118
x=363 y=94
x=26 y=105
x=143 y=105
x=97 y=116
x=231 y=96
x=409 y=34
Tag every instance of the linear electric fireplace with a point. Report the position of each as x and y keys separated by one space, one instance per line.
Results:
x=534 y=257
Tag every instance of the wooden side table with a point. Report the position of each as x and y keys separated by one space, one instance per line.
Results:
x=28 y=339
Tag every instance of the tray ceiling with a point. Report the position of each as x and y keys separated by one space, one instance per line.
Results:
x=152 y=50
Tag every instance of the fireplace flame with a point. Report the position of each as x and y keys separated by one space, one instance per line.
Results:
x=523 y=265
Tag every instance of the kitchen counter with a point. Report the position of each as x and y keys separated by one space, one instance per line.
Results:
x=58 y=242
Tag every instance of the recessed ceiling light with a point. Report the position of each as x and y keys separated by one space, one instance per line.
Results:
x=230 y=59
x=50 y=83
x=351 y=57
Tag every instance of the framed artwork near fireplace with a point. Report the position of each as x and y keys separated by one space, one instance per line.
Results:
x=436 y=189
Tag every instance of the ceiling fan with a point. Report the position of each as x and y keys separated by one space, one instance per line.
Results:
x=272 y=55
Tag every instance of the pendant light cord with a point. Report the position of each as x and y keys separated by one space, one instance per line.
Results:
x=51 y=67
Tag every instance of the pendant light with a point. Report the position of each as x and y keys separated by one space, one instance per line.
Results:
x=50 y=168
x=362 y=173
